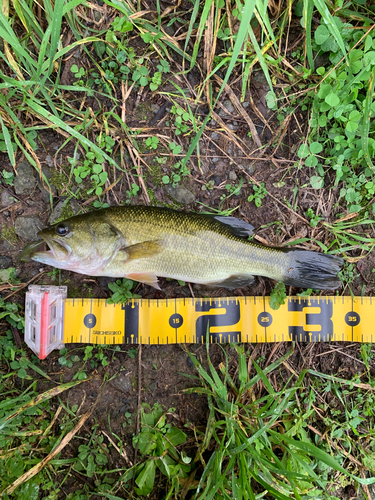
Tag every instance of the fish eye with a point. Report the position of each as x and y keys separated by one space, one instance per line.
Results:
x=62 y=229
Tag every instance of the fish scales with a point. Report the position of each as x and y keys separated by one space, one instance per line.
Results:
x=145 y=242
x=195 y=248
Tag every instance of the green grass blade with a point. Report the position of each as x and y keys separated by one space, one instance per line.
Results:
x=331 y=25
x=42 y=54
x=262 y=8
x=192 y=22
x=367 y=119
x=28 y=20
x=322 y=456
x=9 y=36
x=262 y=61
x=8 y=143
x=269 y=369
x=308 y=7
x=55 y=35
x=202 y=24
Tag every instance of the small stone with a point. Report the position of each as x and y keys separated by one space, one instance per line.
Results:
x=6 y=246
x=64 y=209
x=5 y=262
x=245 y=104
x=28 y=227
x=213 y=123
x=232 y=127
x=180 y=194
x=232 y=175
x=153 y=386
x=215 y=136
x=123 y=383
x=49 y=160
x=260 y=77
x=189 y=362
x=250 y=169
x=24 y=181
x=229 y=106
x=6 y=199
x=97 y=16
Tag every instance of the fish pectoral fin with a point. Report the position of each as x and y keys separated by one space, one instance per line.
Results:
x=234 y=281
x=146 y=278
x=141 y=250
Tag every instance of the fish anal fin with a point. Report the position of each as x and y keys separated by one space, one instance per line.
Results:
x=142 y=250
x=146 y=278
x=234 y=281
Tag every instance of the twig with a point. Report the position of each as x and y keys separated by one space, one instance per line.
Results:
x=23 y=285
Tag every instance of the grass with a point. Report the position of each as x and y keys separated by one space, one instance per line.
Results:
x=271 y=432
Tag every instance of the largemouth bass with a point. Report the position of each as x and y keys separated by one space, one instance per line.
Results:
x=142 y=243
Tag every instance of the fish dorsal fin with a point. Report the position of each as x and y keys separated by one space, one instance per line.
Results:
x=146 y=278
x=142 y=250
x=237 y=226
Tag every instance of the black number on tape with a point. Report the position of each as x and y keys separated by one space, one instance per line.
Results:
x=176 y=320
x=230 y=317
x=322 y=319
x=352 y=318
x=89 y=320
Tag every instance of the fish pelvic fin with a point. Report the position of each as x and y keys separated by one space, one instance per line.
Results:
x=146 y=278
x=313 y=270
x=142 y=250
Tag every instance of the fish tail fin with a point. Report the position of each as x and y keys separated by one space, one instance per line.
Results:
x=313 y=270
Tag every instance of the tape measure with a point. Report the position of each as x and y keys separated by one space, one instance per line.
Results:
x=52 y=320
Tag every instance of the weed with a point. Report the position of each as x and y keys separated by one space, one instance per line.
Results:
x=13 y=314
x=260 y=193
x=132 y=192
x=157 y=443
x=9 y=234
x=92 y=167
x=132 y=352
x=121 y=291
x=314 y=218
x=348 y=273
x=96 y=355
x=152 y=142
x=175 y=148
x=175 y=177
x=8 y=177
x=208 y=186
x=79 y=73
x=278 y=296
x=180 y=120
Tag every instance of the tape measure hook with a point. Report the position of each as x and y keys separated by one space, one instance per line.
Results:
x=44 y=318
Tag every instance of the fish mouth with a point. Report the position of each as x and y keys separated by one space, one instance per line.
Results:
x=46 y=248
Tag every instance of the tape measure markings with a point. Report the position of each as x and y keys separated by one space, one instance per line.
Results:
x=162 y=321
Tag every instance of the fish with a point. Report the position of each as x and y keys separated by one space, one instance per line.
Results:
x=143 y=243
